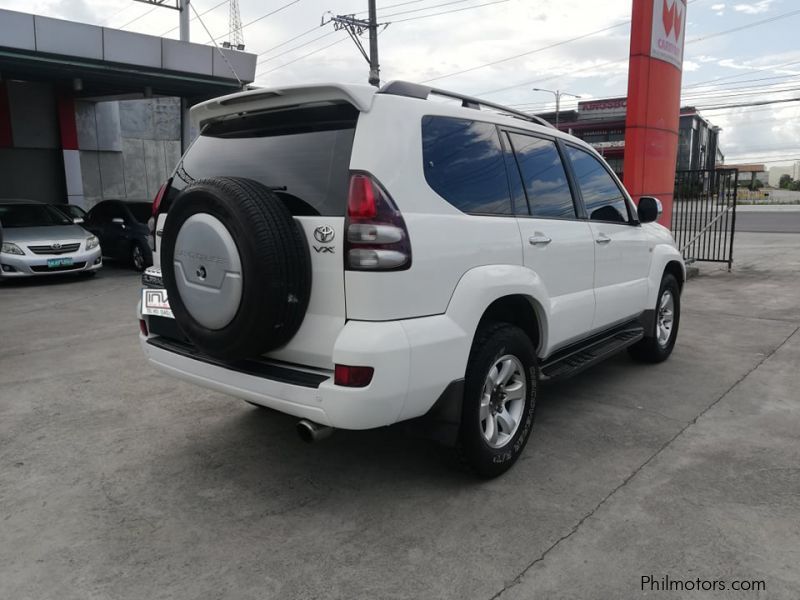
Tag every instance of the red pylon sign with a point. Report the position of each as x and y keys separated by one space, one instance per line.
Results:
x=658 y=31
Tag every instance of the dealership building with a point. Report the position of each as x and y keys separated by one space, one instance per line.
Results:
x=90 y=113
x=601 y=123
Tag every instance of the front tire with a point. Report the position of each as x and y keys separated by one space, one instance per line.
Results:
x=499 y=399
x=659 y=343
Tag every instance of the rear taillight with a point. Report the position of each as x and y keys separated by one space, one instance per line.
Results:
x=143 y=327
x=352 y=376
x=376 y=237
x=160 y=196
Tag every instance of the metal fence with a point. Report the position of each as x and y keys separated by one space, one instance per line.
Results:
x=704 y=214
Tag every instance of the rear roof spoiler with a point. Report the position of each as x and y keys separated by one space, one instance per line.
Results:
x=360 y=96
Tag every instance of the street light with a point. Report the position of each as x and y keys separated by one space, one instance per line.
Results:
x=557 y=94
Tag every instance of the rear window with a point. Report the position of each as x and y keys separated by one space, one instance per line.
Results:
x=464 y=164
x=141 y=211
x=31 y=215
x=302 y=154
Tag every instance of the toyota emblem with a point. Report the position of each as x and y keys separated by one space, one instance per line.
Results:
x=324 y=234
x=56 y=246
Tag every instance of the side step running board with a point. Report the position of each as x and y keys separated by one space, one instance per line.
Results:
x=577 y=357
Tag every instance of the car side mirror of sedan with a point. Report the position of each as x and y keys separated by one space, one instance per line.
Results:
x=649 y=209
x=77 y=220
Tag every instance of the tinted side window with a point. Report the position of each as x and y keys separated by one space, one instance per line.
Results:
x=464 y=164
x=544 y=177
x=601 y=194
x=99 y=213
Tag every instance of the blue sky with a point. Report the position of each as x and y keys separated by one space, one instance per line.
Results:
x=493 y=30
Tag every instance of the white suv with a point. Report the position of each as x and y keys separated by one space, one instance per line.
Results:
x=358 y=257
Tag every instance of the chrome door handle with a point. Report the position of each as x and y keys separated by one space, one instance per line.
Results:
x=603 y=239
x=539 y=239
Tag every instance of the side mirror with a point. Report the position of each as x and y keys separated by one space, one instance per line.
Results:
x=649 y=209
x=77 y=220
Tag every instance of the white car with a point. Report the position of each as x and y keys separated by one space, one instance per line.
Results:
x=358 y=257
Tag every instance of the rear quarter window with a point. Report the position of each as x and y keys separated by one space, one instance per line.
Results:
x=464 y=164
x=302 y=154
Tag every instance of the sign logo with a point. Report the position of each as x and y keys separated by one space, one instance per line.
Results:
x=669 y=31
x=324 y=234
x=672 y=19
x=56 y=246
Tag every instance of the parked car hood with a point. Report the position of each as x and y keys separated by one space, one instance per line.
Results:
x=45 y=234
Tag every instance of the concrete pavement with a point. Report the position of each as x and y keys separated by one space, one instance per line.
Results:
x=117 y=482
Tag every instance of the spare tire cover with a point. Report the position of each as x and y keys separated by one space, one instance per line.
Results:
x=236 y=267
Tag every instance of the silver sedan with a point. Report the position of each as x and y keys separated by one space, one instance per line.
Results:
x=40 y=240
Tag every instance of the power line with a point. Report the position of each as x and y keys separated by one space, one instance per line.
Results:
x=339 y=41
x=516 y=56
x=257 y=19
x=737 y=75
x=414 y=10
x=447 y=12
x=141 y=16
x=290 y=50
x=205 y=12
x=363 y=12
x=327 y=34
x=743 y=27
x=290 y=40
x=695 y=40
x=116 y=13
x=761 y=103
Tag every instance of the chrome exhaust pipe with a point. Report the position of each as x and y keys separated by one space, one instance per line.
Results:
x=311 y=432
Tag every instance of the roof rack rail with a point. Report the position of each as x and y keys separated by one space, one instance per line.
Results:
x=421 y=92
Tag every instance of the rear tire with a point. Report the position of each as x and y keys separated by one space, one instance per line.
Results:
x=499 y=399
x=138 y=257
x=660 y=341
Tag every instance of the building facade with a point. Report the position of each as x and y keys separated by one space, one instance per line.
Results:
x=90 y=113
x=601 y=123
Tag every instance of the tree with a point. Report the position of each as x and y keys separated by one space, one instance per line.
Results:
x=785 y=182
x=795 y=186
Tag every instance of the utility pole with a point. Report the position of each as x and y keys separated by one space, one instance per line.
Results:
x=183 y=8
x=374 y=67
x=184 y=20
x=355 y=28
x=557 y=94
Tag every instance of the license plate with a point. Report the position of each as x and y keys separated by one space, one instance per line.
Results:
x=156 y=303
x=53 y=263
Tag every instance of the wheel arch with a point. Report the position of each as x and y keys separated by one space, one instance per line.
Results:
x=675 y=269
x=505 y=293
x=666 y=259
x=520 y=310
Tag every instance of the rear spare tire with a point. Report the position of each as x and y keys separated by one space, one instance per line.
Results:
x=236 y=267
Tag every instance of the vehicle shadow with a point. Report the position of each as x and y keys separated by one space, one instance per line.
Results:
x=258 y=449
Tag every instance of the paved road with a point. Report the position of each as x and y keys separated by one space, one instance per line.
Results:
x=787 y=221
x=117 y=482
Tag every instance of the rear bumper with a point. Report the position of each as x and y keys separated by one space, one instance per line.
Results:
x=14 y=266
x=405 y=385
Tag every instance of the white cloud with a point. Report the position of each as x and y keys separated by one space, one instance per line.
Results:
x=754 y=8
x=717 y=6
